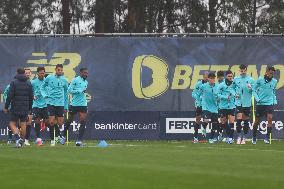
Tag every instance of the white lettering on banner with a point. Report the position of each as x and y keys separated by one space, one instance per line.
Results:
x=263 y=125
x=179 y=125
x=278 y=125
x=185 y=125
x=4 y=132
x=75 y=126
x=125 y=126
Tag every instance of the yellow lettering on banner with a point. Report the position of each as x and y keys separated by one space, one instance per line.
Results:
x=216 y=68
x=252 y=71
x=281 y=75
x=196 y=74
x=69 y=60
x=2 y=97
x=236 y=70
x=88 y=97
x=160 y=82
x=181 y=81
x=262 y=70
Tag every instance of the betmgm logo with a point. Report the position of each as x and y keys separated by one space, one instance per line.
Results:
x=69 y=60
x=184 y=76
x=160 y=81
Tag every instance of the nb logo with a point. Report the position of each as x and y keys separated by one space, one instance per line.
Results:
x=69 y=60
x=160 y=82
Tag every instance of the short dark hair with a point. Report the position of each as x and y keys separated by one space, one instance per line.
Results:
x=20 y=71
x=40 y=69
x=243 y=66
x=83 y=69
x=211 y=75
x=229 y=72
x=270 y=68
x=220 y=73
x=27 y=69
x=59 y=66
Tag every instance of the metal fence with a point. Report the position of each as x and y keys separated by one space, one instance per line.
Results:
x=147 y=35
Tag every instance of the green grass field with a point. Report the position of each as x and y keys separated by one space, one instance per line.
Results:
x=147 y=164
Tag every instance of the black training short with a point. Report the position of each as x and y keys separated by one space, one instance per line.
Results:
x=209 y=115
x=77 y=109
x=55 y=110
x=198 y=111
x=263 y=110
x=226 y=112
x=16 y=117
x=244 y=110
x=41 y=113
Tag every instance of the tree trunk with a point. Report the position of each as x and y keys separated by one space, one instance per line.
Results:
x=136 y=16
x=104 y=20
x=169 y=10
x=109 y=16
x=212 y=15
x=253 y=17
x=161 y=17
x=66 y=16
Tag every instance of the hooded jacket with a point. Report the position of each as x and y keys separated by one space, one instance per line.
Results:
x=20 y=95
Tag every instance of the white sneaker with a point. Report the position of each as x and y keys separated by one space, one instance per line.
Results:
x=266 y=141
x=27 y=142
x=39 y=141
x=195 y=140
x=243 y=141
x=52 y=143
x=239 y=140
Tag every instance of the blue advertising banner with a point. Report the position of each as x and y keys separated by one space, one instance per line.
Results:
x=141 y=74
x=180 y=126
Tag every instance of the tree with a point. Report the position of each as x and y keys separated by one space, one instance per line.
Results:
x=136 y=16
x=271 y=19
x=17 y=16
x=66 y=17
x=104 y=16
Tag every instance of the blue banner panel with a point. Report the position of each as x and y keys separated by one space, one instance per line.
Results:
x=131 y=80
x=142 y=74
x=180 y=126
x=106 y=125
x=124 y=125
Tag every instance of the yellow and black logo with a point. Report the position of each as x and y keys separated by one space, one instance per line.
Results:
x=69 y=60
x=160 y=82
x=184 y=76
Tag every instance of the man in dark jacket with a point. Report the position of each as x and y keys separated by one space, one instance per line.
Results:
x=20 y=97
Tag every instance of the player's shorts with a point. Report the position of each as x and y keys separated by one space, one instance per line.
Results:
x=209 y=115
x=263 y=110
x=198 y=111
x=77 y=109
x=55 y=110
x=226 y=112
x=244 y=110
x=16 y=117
x=41 y=113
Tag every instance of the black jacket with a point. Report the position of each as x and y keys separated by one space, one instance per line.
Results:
x=20 y=95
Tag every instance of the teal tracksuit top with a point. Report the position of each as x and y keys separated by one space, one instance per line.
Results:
x=6 y=91
x=209 y=97
x=77 y=89
x=264 y=91
x=55 y=90
x=196 y=93
x=226 y=95
x=243 y=88
x=39 y=102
